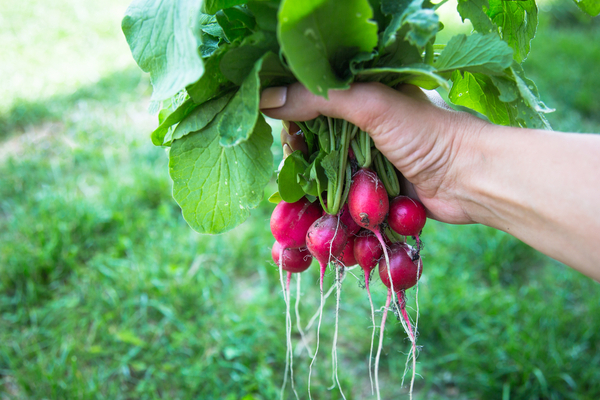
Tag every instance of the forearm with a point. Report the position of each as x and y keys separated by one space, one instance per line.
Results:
x=542 y=187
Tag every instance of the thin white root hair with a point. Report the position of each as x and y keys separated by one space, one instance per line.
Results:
x=317 y=347
x=288 y=321
x=334 y=359
x=372 y=337
x=297 y=309
x=312 y=320
x=381 y=331
x=287 y=355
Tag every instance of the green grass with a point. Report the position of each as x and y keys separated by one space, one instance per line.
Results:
x=105 y=292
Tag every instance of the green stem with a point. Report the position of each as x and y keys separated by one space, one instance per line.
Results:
x=387 y=174
x=345 y=144
x=360 y=158
x=429 y=53
x=366 y=146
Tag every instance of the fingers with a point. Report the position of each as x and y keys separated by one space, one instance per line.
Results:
x=371 y=106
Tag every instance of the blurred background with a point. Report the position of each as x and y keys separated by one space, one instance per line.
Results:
x=106 y=293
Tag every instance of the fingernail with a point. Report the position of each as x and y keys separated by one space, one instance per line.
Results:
x=273 y=97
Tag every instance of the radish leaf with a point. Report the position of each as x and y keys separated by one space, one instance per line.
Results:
x=517 y=22
x=320 y=37
x=199 y=118
x=163 y=38
x=290 y=189
x=237 y=120
x=216 y=186
x=591 y=7
x=486 y=54
x=477 y=92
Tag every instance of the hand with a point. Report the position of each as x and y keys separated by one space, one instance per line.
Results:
x=427 y=143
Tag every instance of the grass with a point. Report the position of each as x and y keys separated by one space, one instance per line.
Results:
x=105 y=292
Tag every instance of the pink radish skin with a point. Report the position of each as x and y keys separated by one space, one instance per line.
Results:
x=348 y=221
x=346 y=257
x=367 y=200
x=325 y=239
x=294 y=260
x=290 y=222
x=407 y=216
x=367 y=251
x=404 y=271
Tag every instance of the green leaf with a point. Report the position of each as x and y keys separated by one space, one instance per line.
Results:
x=212 y=6
x=320 y=37
x=237 y=63
x=486 y=54
x=477 y=92
x=591 y=7
x=211 y=35
x=475 y=11
x=199 y=117
x=289 y=186
x=422 y=24
x=528 y=90
x=180 y=113
x=273 y=73
x=236 y=22
x=164 y=39
x=517 y=22
x=275 y=198
x=215 y=185
x=330 y=164
x=423 y=73
x=237 y=120
x=507 y=87
x=265 y=14
x=213 y=82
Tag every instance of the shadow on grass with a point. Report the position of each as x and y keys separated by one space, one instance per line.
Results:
x=112 y=89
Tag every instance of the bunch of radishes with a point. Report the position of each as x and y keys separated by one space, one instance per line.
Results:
x=355 y=235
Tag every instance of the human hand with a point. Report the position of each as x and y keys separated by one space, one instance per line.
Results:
x=426 y=141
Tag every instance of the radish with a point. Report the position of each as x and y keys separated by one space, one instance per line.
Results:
x=294 y=260
x=407 y=216
x=400 y=274
x=403 y=270
x=347 y=258
x=368 y=252
x=348 y=221
x=325 y=239
x=290 y=222
x=367 y=200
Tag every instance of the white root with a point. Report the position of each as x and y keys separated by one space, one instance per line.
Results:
x=297 y=309
x=334 y=359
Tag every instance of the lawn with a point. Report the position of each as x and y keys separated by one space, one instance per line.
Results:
x=106 y=293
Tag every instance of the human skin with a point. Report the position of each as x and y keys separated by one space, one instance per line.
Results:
x=540 y=186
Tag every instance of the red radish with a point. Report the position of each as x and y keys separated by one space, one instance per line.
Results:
x=294 y=260
x=367 y=200
x=347 y=220
x=407 y=216
x=325 y=239
x=404 y=271
x=290 y=222
x=368 y=252
x=346 y=257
